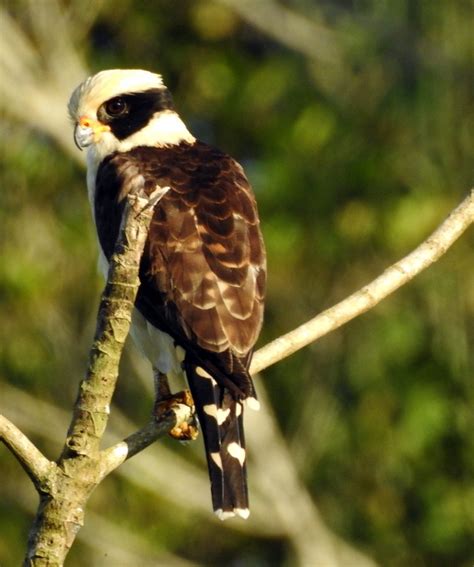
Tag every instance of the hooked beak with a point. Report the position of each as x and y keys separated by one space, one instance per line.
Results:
x=83 y=136
x=88 y=131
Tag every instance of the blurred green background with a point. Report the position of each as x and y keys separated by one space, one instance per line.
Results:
x=355 y=123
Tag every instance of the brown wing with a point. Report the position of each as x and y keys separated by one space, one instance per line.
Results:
x=203 y=272
x=206 y=252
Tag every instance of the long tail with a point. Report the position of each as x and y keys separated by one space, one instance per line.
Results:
x=221 y=418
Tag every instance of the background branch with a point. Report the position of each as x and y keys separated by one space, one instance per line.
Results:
x=311 y=37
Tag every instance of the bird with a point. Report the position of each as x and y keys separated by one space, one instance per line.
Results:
x=199 y=306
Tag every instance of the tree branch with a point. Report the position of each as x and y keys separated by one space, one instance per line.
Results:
x=92 y=408
x=79 y=470
x=114 y=456
x=35 y=464
x=370 y=295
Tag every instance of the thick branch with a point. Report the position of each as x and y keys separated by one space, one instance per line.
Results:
x=78 y=471
x=367 y=297
x=35 y=464
x=92 y=407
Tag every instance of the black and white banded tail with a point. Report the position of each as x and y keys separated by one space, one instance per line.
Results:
x=221 y=419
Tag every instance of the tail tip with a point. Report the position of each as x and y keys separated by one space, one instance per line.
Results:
x=244 y=513
x=252 y=403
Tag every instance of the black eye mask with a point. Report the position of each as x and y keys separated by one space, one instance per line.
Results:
x=129 y=113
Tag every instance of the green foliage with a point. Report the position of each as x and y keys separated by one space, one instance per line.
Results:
x=349 y=178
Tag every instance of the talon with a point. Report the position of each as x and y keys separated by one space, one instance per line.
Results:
x=183 y=431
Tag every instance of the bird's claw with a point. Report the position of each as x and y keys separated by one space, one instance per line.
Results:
x=183 y=431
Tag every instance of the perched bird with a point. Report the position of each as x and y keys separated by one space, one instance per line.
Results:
x=199 y=306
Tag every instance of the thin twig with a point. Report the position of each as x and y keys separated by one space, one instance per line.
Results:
x=114 y=456
x=361 y=301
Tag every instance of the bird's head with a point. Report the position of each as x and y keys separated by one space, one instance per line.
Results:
x=119 y=109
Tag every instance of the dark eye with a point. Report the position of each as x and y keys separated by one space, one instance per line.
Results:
x=116 y=107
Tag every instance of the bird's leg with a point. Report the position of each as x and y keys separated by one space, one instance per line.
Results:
x=162 y=387
x=166 y=401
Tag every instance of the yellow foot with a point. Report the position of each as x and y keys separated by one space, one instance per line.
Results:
x=183 y=431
